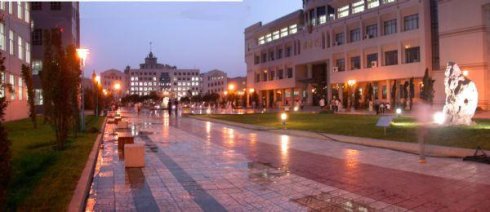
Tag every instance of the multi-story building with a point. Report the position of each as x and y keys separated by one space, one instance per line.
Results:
x=15 y=46
x=113 y=79
x=341 y=45
x=64 y=16
x=152 y=76
x=214 y=81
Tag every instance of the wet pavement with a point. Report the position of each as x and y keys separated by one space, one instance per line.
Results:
x=194 y=165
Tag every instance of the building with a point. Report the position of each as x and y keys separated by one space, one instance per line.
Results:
x=152 y=76
x=112 y=79
x=237 y=84
x=214 y=81
x=339 y=47
x=64 y=16
x=15 y=46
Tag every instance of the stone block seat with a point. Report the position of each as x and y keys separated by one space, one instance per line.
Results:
x=134 y=155
x=124 y=138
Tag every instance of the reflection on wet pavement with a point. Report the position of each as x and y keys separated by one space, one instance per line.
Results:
x=194 y=165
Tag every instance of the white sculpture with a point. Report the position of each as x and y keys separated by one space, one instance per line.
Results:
x=461 y=96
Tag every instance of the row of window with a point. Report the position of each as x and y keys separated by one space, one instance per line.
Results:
x=213 y=84
x=410 y=22
x=274 y=75
x=52 y=5
x=284 y=32
x=273 y=55
x=22 y=9
x=412 y=55
x=17 y=85
x=359 y=6
x=17 y=46
x=176 y=73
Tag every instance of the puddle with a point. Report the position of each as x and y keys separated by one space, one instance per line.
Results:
x=265 y=173
x=326 y=202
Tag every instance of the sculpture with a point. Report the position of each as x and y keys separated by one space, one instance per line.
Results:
x=461 y=96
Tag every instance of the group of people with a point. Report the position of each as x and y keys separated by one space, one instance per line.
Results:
x=380 y=107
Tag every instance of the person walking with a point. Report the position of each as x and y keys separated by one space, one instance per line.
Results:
x=170 y=107
x=322 y=103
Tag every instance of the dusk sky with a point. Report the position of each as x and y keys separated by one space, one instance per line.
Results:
x=188 y=35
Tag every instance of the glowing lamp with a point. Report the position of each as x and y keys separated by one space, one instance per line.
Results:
x=97 y=79
x=82 y=54
x=398 y=111
x=284 y=116
x=466 y=73
x=117 y=86
x=231 y=87
x=439 y=118
x=251 y=90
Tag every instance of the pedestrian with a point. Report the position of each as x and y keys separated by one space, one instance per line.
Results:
x=170 y=107
x=376 y=106
x=322 y=103
x=382 y=107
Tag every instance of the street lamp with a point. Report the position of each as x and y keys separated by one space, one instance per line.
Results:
x=284 y=117
x=117 y=88
x=82 y=55
x=351 y=84
x=97 y=84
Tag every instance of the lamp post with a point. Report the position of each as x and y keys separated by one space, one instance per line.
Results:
x=117 y=88
x=284 y=117
x=97 y=84
x=351 y=98
x=82 y=55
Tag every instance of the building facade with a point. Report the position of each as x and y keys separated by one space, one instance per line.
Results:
x=214 y=81
x=238 y=84
x=112 y=79
x=64 y=16
x=335 y=48
x=169 y=80
x=15 y=46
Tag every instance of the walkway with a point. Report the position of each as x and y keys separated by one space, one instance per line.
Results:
x=202 y=166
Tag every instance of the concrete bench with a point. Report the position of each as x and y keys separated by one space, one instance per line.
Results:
x=124 y=138
x=134 y=155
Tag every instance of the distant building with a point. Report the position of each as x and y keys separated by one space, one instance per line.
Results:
x=110 y=78
x=238 y=83
x=64 y=16
x=167 y=79
x=346 y=45
x=15 y=45
x=214 y=81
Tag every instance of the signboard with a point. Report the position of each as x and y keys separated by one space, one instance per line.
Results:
x=384 y=121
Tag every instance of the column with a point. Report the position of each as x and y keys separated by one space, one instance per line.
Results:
x=291 y=97
x=274 y=99
x=388 y=90
x=283 y=91
x=309 y=71
x=341 y=94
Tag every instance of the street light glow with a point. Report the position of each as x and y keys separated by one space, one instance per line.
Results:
x=117 y=86
x=284 y=116
x=439 y=118
x=97 y=79
x=82 y=54
x=251 y=90
x=351 y=82
x=231 y=87
x=398 y=111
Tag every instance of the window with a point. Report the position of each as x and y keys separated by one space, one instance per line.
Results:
x=343 y=11
x=2 y=36
x=339 y=38
x=412 y=55
x=36 y=6
x=27 y=15
x=257 y=77
x=358 y=7
x=322 y=15
x=37 y=37
x=288 y=51
x=20 y=88
x=388 y=1
x=271 y=56
x=340 y=64
x=19 y=9
x=391 y=58
x=20 y=49
x=11 y=42
x=372 y=3
x=272 y=75
x=264 y=57
x=411 y=22
x=264 y=76
x=256 y=59
x=268 y=38
x=280 y=74
x=279 y=53
x=11 y=7
x=372 y=31
x=28 y=53
x=355 y=63
x=2 y=5
x=355 y=35
x=55 y=5
x=12 y=84
x=372 y=60
x=284 y=32
x=293 y=29
x=290 y=73
x=275 y=35
x=38 y=97
x=390 y=27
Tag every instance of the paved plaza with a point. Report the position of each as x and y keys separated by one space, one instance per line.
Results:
x=194 y=165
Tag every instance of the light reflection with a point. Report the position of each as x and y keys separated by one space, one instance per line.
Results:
x=351 y=158
x=285 y=152
x=208 y=127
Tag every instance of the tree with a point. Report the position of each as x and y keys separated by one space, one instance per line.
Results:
x=393 y=94
x=4 y=141
x=427 y=93
x=412 y=92
x=62 y=70
x=27 y=76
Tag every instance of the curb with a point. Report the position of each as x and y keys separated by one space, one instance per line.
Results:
x=413 y=148
x=79 y=198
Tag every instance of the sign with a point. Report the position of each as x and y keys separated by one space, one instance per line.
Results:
x=384 y=121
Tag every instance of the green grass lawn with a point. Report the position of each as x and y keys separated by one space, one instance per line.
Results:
x=403 y=129
x=42 y=178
